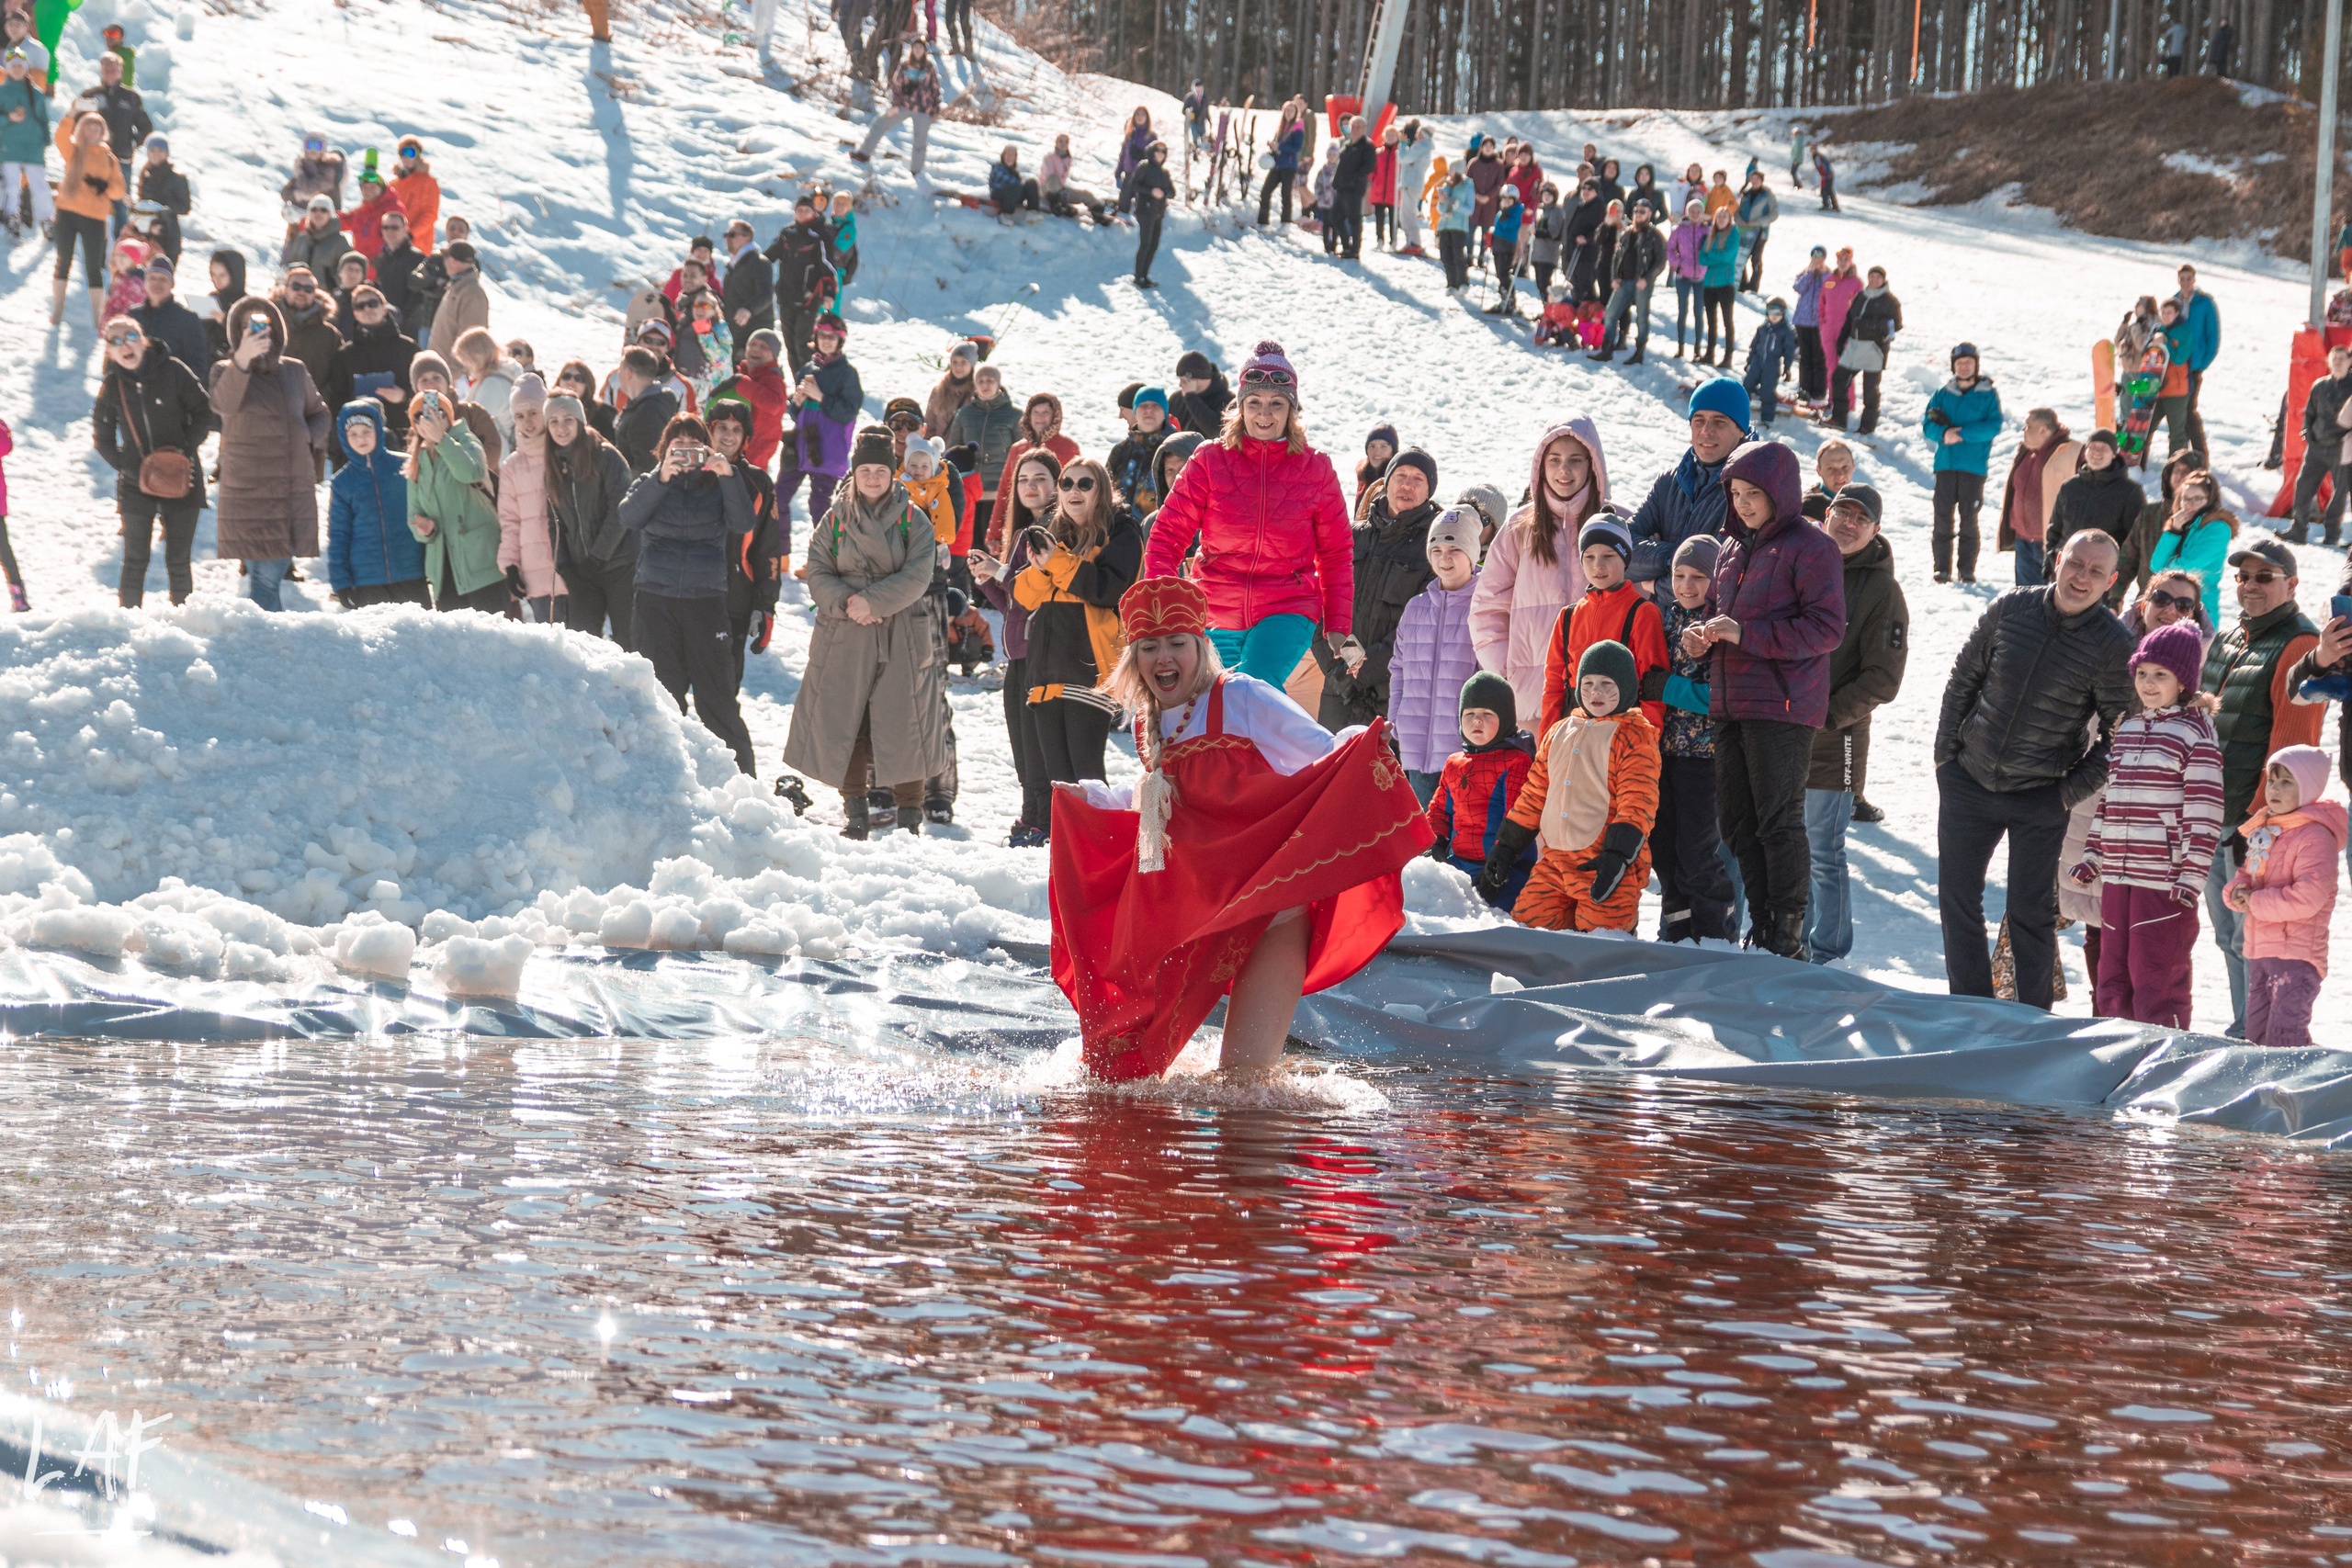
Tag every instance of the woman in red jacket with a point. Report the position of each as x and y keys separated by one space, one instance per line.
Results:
x=1277 y=554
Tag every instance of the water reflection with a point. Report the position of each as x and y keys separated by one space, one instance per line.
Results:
x=818 y=1301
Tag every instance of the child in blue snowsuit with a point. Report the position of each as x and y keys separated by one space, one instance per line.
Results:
x=1771 y=354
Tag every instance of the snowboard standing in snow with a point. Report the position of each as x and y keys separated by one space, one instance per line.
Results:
x=2103 y=384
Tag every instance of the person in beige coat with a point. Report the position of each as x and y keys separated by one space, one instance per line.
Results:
x=875 y=690
x=273 y=429
x=463 y=305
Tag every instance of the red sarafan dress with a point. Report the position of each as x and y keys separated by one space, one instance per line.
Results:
x=1144 y=955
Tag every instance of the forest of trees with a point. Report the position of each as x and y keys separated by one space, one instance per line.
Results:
x=1473 y=56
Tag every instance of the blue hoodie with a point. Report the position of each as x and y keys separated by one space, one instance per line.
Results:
x=369 y=544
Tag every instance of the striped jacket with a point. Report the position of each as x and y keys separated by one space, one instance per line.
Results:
x=2161 y=816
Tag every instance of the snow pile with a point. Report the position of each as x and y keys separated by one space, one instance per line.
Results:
x=231 y=795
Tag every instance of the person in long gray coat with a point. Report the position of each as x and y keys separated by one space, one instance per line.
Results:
x=273 y=427
x=875 y=690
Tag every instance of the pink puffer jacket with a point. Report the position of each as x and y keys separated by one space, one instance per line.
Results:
x=1519 y=598
x=1274 y=535
x=524 y=538
x=2290 y=904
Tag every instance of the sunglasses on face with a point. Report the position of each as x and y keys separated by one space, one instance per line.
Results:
x=1083 y=484
x=119 y=339
x=906 y=426
x=299 y=290
x=2164 y=600
x=366 y=307
x=2263 y=577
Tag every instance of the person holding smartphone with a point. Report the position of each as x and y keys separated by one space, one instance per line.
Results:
x=273 y=426
x=689 y=514
x=450 y=510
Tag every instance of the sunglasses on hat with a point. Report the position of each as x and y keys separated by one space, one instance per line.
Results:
x=1264 y=375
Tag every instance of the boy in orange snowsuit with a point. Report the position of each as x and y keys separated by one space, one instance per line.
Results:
x=1593 y=794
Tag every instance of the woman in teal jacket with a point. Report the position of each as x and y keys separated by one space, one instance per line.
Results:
x=2197 y=538
x=450 y=509
x=1719 y=267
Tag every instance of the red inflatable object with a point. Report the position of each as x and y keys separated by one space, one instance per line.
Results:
x=2306 y=363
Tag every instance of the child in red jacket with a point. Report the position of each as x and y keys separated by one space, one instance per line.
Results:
x=1475 y=790
x=1612 y=610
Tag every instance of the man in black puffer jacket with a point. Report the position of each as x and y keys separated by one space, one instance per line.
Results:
x=2104 y=495
x=1392 y=567
x=2010 y=758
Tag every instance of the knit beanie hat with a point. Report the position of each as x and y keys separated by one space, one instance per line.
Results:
x=1723 y=395
x=426 y=360
x=770 y=337
x=1196 y=365
x=965 y=350
x=728 y=406
x=1699 y=550
x=1268 y=369
x=2178 y=648
x=1382 y=433
x=874 y=446
x=1614 y=661
x=529 y=392
x=1493 y=509
x=565 y=403
x=925 y=443
x=1456 y=527
x=2104 y=437
x=1605 y=529
x=1414 y=457
x=1151 y=395
x=2307 y=764
x=1489 y=691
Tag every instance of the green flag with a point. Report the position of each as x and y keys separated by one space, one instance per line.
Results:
x=48 y=26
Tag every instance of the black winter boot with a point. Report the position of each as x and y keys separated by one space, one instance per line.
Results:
x=857 y=825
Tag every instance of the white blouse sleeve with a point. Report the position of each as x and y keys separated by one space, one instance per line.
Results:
x=1107 y=797
x=1284 y=733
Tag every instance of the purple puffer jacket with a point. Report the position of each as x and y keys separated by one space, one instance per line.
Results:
x=1786 y=587
x=1432 y=659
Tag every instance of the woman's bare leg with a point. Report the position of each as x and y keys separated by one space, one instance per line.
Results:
x=1265 y=997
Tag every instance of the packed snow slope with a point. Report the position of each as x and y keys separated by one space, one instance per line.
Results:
x=584 y=168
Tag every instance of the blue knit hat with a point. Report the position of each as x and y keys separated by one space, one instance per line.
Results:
x=1723 y=395
x=1151 y=395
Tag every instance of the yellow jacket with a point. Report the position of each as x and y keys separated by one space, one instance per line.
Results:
x=73 y=195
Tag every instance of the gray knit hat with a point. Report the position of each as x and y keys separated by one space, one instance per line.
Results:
x=1458 y=526
x=1699 y=550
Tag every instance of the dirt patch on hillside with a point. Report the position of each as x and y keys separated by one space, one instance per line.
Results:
x=2192 y=158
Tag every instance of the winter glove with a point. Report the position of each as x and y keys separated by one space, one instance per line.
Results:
x=1511 y=843
x=346 y=598
x=1652 y=684
x=762 y=629
x=1439 y=850
x=1619 y=845
x=514 y=582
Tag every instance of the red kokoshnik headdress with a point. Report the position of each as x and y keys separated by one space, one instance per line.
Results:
x=1163 y=606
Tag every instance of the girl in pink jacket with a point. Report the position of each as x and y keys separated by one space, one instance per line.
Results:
x=1277 y=553
x=2286 y=890
x=1533 y=571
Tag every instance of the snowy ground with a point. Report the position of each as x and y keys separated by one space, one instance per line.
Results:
x=585 y=169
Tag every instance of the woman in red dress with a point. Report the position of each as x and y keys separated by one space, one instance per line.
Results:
x=1260 y=856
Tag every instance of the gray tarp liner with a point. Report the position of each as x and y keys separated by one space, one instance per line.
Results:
x=1588 y=1004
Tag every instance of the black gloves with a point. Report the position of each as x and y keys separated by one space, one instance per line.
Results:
x=514 y=582
x=1441 y=850
x=1619 y=845
x=1511 y=843
x=762 y=629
